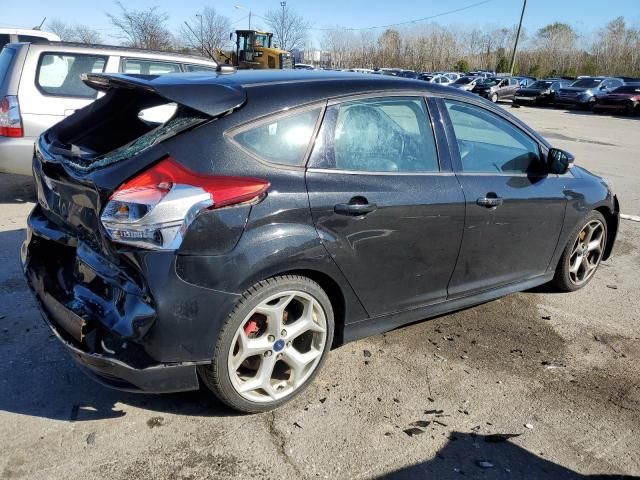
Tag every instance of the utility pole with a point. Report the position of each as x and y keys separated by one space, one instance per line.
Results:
x=515 y=45
x=201 y=34
x=282 y=26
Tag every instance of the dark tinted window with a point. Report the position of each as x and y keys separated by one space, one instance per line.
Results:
x=59 y=73
x=378 y=135
x=4 y=39
x=625 y=89
x=6 y=58
x=199 y=68
x=489 y=143
x=149 y=67
x=284 y=140
x=31 y=39
x=541 y=84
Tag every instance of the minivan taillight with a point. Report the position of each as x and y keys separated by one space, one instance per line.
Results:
x=154 y=209
x=10 y=121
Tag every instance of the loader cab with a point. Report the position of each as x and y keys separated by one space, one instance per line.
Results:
x=254 y=49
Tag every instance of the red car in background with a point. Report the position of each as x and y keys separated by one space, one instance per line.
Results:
x=624 y=99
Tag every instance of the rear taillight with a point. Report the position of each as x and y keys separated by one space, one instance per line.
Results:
x=154 y=209
x=10 y=121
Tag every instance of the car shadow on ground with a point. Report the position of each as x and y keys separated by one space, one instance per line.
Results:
x=468 y=455
x=16 y=189
x=39 y=378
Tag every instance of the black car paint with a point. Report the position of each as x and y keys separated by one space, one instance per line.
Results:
x=169 y=308
x=539 y=96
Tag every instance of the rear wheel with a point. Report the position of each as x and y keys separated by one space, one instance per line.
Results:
x=494 y=97
x=583 y=253
x=272 y=345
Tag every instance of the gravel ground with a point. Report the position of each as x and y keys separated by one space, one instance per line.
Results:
x=560 y=372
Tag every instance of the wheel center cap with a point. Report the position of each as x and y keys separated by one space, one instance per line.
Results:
x=279 y=345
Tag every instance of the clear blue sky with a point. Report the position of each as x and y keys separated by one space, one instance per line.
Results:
x=584 y=15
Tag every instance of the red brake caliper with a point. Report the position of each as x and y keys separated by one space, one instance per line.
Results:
x=251 y=327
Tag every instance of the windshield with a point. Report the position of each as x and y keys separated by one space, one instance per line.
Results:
x=261 y=41
x=586 y=83
x=541 y=85
x=463 y=81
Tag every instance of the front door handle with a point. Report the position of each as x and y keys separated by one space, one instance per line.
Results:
x=489 y=202
x=354 y=209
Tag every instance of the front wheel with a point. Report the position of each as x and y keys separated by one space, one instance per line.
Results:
x=272 y=344
x=583 y=253
x=494 y=97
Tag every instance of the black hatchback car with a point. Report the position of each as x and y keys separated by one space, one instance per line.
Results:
x=276 y=214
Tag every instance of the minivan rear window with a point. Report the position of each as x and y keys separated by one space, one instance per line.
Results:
x=6 y=57
x=60 y=74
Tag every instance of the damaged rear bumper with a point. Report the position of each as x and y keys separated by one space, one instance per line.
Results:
x=144 y=334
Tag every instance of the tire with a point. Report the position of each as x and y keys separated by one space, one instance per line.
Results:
x=494 y=97
x=565 y=278
x=249 y=343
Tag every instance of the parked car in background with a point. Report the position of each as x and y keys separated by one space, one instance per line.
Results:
x=497 y=88
x=13 y=35
x=40 y=84
x=466 y=83
x=303 y=66
x=453 y=76
x=542 y=92
x=584 y=92
x=624 y=99
x=393 y=72
x=230 y=247
x=408 y=74
x=482 y=73
x=435 y=78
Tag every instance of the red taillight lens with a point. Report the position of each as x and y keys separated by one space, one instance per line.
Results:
x=10 y=121
x=154 y=209
x=160 y=178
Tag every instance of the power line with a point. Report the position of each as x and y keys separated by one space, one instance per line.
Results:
x=408 y=22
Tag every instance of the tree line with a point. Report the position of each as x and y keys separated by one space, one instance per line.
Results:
x=555 y=49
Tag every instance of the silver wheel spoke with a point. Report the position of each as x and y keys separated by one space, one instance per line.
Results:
x=304 y=324
x=248 y=347
x=575 y=266
x=299 y=361
x=275 y=314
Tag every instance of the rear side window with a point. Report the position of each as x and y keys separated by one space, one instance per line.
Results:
x=59 y=74
x=283 y=140
x=199 y=68
x=149 y=67
x=390 y=134
x=6 y=58
x=31 y=39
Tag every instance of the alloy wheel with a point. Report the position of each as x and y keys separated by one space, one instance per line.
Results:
x=587 y=252
x=277 y=347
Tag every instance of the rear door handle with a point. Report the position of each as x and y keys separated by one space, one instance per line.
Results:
x=489 y=202
x=354 y=209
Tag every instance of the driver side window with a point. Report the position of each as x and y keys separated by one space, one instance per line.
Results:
x=490 y=144
x=377 y=135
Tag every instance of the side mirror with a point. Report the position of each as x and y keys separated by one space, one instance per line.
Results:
x=559 y=161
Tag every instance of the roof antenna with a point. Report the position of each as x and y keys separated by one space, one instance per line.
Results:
x=39 y=27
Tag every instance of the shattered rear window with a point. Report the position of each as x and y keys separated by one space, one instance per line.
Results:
x=183 y=120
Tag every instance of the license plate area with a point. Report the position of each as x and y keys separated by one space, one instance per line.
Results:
x=70 y=322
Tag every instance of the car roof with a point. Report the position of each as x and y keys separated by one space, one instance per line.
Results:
x=76 y=47
x=30 y=32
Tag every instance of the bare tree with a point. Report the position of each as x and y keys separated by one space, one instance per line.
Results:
x=289 y=28
x=207 y=33
x=142 y=28
x=75 y=32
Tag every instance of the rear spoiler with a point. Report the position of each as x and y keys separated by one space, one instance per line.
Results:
x=208 y=93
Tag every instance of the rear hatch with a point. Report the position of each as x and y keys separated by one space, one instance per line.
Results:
x=80 y=161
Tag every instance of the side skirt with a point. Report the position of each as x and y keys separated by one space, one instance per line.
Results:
x=373 y=326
